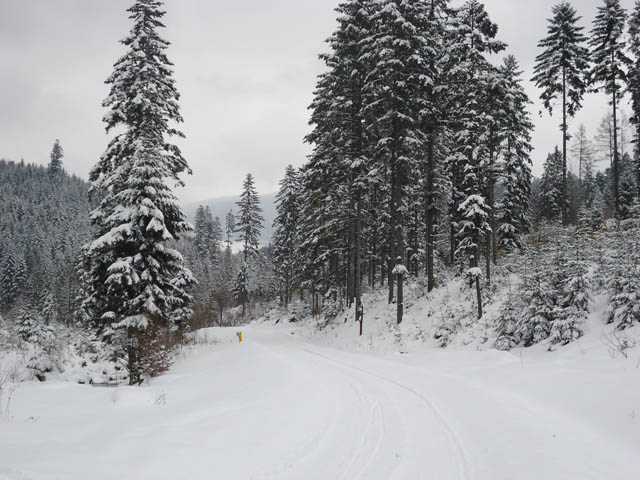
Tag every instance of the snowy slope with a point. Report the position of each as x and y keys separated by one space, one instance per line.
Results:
x=282 y=406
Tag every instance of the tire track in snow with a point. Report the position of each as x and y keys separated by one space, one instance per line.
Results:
x=458 y=448
x=375 y=421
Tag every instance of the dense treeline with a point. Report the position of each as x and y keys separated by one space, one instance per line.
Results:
x=421 y=147
x=416 y=127
x=43 y=222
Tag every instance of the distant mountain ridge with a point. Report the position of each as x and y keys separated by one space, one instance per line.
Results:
x=221 y=205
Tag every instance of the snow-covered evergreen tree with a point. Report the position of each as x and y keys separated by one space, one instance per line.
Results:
x=551 y=186
x=608 y=54
x=241 y=287
x=133 y=275
x=248 y=226
x=516 y=166
x=55 y=163
x=573 y=303
x=507 y=325
x=561 y=71
x=286 y=232
x=623 y=280
x=634 y=87
x=229 y=228
x=32 y=328
x=248 y=222
x=47 y=307
x=12 y=281
x=536 y=320
x=214 y=237
x=200 y=232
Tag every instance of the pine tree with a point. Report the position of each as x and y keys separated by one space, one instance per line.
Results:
x=286 y=231
x=133 y=277
x=32 y=328
x=560 y=71
x=214 y=237
x=536 y=320
x=240 y=290
x=608 y=71
x=507 y=327
x=229 y=228
x=573 y=304
x=12 y=281
x=248 y=227
x=47 y=307
x=55 y=165
x=249 y=219
x=200 y=231
x=551 y=185
x=634 y=87
x=516 y=169
x=623 y=280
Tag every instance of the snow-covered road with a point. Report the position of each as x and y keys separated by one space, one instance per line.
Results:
x=278 y=406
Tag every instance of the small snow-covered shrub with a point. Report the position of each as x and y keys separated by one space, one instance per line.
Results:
x=331 y=309
x=7 y=388
x=32 y=329
x=507 y=325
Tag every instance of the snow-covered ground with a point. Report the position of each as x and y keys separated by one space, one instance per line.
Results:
x=286 y=405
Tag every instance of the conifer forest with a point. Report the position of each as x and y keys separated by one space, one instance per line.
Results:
x=445 y=285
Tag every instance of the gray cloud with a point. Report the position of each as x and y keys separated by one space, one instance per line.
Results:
x=246 y=71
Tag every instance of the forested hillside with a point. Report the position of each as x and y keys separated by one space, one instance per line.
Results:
x=421 y=169
x=44 y=216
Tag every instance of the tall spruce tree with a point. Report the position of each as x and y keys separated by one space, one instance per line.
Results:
x=133 y=277
x=55 y=163
x=286 y=232
x=229 y=228
x=609 y=71
x=560 y=71
x=513 y=219
x=200 y=232
x=634 y=87
x=249 y=219
x=248 y=227
x=551 y=186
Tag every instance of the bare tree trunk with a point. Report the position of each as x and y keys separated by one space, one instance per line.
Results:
x=616 y=158
x=637 y=157
x=132 y=357
x=392 y=232
x=491 y=236
x=358 y=252
x=565 y=219
x=429 y=210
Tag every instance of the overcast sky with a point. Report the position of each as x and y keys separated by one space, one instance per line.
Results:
x=246 y=71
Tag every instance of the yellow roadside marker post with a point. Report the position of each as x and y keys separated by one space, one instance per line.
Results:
x=239 y=334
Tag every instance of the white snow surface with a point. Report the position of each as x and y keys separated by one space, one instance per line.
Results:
x=290 y=404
